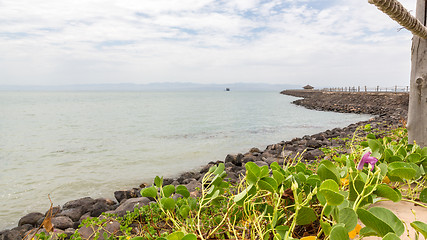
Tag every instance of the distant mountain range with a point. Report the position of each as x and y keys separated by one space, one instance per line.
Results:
x=166 y=86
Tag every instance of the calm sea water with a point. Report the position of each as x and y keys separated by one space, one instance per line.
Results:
x=77 y=144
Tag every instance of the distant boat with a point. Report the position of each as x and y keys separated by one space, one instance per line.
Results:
x=227 y=89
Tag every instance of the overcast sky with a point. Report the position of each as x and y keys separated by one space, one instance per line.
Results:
x=317 y=42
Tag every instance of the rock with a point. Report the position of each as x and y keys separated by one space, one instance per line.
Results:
x=188 y=175
x=112 y=227
x=130 y=204
x=62 y=222
x=30 y=218
x=206 y=168
x=167 y=181
x=10 y=235
x=234 y=159
x=84 y=216
x=98 y=208
x=126 y=194
x=55 y=211
x=193 y=185
x=54 y=234
x=188 y=180
x=69 y=231
x=73 y=213
x=85 y=203
x=313 y=154
x=254 y=150
x=313 y=144
x=261 y=163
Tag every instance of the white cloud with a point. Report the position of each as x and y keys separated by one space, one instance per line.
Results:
x=293 y=41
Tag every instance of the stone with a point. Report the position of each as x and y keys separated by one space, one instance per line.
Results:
x=313 y=154
x=62 y=222
x=10 y=235
x=191 y=186
x=98 y=208
x=261 y=163
x=73 y=213
x=55 y=210
x=130 y=204
x=111 y=228
x=126 y=194
x=188 y=180
x=313 y=144
x=254 y=150
x=30 y=218
x=23 y=229
x=69 y=231
x=85 y=202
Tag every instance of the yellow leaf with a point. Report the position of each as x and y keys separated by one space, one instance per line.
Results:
x=355 y=231
x=386 y=180
x=344 y=181
x=309 y=238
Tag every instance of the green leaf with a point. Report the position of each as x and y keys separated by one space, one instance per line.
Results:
x=278 y=176
x=391 y=236
x=281 y=230
x=306 y=216
x=135 y=238
x=327 y=170
x=381 y=220
x=268 y=183
x=339 y=232
x=414 y=158
x=423 y=195
x=375 y=146
x=348 y=217
x=402 y=170
x=168 y=190
x=313 y=180
x=385 y=191
x=387 y=155
x=420 y=227
x=252 y=173
x=326 y=227
x=240 y=198
x=219 y=169
x=167 y=203
x=149 y=192
x=181 y=189
x=158 y=181
x=175 y=236
x=264 y=171
x=184 y=211
x=189 y=236
x=330 y=190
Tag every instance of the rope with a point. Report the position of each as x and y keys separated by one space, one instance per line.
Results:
x=397 y=12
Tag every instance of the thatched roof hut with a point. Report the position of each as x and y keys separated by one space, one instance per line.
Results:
x=308 y=87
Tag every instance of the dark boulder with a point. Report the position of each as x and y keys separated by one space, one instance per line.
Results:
x=30 y=218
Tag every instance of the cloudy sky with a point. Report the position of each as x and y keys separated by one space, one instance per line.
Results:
x=320 y=42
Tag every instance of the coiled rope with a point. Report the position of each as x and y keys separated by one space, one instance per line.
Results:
x=397 y=12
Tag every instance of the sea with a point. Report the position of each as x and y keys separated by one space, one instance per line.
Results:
x=69 y=145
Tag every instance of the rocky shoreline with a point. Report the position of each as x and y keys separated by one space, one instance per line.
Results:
x=389 y=110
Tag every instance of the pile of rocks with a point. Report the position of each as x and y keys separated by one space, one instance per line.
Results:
x=68 y=217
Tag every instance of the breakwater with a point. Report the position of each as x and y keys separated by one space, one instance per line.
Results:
x=389 y=110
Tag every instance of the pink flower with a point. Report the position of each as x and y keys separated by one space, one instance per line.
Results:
x=367 y=159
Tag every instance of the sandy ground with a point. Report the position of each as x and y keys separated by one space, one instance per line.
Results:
x=403 y=211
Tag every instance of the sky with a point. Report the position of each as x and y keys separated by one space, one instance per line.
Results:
x=324 y=43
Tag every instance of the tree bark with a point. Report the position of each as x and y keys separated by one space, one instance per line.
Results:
x=417 y=112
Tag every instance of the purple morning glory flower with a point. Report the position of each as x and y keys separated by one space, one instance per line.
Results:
x=367 y=159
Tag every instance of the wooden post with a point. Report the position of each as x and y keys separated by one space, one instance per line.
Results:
x=417 y=112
